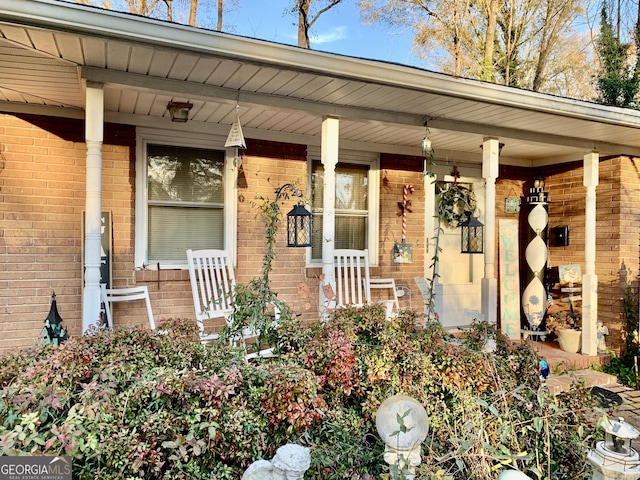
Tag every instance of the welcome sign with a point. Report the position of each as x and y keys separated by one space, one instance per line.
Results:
x=509 y=278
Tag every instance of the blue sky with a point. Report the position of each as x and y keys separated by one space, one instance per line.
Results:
x=339 y=30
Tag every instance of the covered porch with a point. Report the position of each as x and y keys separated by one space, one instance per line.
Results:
x=106 y=68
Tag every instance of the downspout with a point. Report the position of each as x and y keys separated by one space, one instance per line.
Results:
x=490 y=161
x=94 y=125
x=329 y=158
x=590 y=279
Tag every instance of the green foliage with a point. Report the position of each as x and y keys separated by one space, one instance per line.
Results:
x=256 y=305
x=135 y=404
x=618 y=81
x=625 y=367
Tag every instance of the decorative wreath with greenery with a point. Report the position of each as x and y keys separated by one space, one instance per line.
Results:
x=457 y=203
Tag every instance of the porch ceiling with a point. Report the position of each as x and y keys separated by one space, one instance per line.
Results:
x=49 y=49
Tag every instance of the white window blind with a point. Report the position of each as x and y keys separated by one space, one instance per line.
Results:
x=185 y=201
x=351 y=209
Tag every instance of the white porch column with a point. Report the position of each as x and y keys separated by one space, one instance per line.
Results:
x=94 y=126
x=590 y=279
x=490 y=161
x=329 y=159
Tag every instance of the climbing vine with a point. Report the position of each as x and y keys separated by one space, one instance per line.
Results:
x=255 y=303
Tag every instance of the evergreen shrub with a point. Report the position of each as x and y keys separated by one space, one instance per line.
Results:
x=136 y=404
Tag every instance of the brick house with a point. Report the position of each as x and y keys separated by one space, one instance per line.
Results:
x=84 y=129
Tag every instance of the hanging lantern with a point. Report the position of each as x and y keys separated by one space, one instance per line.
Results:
x=299 y=227
x=472 y=236
x=53 y=331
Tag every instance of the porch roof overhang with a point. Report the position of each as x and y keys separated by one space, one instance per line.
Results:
x=50 y=49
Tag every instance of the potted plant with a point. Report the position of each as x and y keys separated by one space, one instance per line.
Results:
x=566 y=327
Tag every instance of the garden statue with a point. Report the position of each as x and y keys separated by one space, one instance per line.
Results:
x=289 y=463
x=403 y=425
x=544 y=369
x=602 y=331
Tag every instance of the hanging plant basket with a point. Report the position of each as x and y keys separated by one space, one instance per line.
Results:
x=457 y=204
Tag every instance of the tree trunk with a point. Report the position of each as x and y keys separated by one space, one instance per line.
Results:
x=193 y=12
x=303 y=23
x=489 y=41
x=219 y=25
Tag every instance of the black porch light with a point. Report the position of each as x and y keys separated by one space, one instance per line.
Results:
x=299 y=227
x=472 y=236
x=298 y=219
x=179 y=111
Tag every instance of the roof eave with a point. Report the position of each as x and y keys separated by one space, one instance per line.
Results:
x=125 y=27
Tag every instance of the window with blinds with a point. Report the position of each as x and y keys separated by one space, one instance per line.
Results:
x=185 y=201
x=351 y=210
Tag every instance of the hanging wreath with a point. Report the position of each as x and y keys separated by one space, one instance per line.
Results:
x=457 y=204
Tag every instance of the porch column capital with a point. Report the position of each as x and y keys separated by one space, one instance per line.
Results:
x=490 y=157
x=591 y=169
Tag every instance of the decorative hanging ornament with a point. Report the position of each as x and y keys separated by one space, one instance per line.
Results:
x=455 y=173
x=236 y=138
x=403 y=252
x=512 y=202
x=405 y=207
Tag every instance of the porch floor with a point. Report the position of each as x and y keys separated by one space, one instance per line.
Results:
x=560 y=361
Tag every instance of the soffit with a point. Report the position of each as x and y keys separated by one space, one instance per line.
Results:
x=382 y=106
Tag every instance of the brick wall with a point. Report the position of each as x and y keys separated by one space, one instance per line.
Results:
x=42 y=199
x=42 y=190
x=617 y=232
x=617 y=227
x=276 y=165
x=396 y=172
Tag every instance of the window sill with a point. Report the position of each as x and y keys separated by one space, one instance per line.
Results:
x=175 y=273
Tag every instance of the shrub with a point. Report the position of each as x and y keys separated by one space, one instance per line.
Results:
x=135 y=404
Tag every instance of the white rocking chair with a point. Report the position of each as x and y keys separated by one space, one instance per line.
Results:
x=352 y=277
x=212 y=284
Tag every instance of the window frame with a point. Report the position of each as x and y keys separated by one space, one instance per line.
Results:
x=144 y=137
x=372 y=161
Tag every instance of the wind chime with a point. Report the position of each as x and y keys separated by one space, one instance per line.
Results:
x=403 y=252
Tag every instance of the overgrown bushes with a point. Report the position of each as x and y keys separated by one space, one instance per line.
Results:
x=132 y=404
